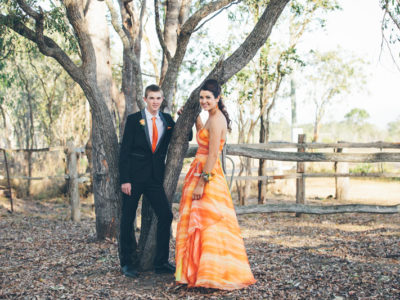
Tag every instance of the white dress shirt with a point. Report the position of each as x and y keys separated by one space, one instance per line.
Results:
x=159 y=124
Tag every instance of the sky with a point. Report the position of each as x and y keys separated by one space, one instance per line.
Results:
x=357 y=28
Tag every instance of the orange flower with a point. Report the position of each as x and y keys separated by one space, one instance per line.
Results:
x=168 y=128
x=142 y=122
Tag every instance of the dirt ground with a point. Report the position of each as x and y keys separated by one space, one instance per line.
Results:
x=351 y=256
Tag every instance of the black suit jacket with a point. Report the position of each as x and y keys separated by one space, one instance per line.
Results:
x=137 y=162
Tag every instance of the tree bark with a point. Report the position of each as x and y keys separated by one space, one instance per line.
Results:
x=107 y=217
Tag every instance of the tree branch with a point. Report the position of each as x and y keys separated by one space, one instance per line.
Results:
x=142 y=13
x=394 y=19
x=391 y=15
x=29 y=10
x=182 y=43
x=129 y=48
x=159 y=33
x=216 y=14
x=191 y=23
x=253 y=42
x=118 y=29
x=50 y=48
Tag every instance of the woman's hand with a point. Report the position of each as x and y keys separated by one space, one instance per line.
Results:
x=198 y=191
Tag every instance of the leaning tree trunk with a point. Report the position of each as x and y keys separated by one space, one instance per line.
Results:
x=223 y=71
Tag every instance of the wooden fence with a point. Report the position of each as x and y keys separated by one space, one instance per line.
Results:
x=262 y=151
x=72 y=154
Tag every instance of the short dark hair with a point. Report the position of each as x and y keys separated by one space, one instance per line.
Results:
x=152 y=88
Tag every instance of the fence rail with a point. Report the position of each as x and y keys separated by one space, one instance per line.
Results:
x=263 y=151
x=318 y=209
x=266 y=151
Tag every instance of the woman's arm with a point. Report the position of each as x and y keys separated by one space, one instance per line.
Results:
x=215 y=131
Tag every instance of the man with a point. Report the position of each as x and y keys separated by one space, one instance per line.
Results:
x=142 y=163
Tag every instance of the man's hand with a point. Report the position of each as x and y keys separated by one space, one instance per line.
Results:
x=126 y=188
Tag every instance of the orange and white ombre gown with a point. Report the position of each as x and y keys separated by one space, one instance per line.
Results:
x=209 y=246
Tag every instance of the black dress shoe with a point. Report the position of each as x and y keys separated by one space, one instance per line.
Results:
x=129 y=271
x=165 y=268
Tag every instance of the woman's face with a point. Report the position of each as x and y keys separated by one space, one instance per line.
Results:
x=207 y=100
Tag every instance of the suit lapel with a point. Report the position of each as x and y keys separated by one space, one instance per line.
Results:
x=146 y=128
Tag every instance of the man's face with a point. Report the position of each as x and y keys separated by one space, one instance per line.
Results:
x=153 y=100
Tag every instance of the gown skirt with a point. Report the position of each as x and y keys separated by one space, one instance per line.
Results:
x=209 y=246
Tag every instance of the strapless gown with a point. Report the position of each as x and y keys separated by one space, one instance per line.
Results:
x=209 y=246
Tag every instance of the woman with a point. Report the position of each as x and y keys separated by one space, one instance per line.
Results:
x=209 y=247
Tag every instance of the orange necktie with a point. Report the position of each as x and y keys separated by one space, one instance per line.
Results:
x=155 y=135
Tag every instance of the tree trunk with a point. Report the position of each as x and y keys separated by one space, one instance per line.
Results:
x=105 y=184
x=316 y=130
x=106 y=188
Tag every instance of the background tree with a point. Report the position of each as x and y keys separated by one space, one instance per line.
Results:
x=260 y=83
x=357 y=116
x=391 y=27
x=356 y=120
x=330 y=75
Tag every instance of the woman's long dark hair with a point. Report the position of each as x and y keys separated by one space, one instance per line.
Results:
x=213 y=86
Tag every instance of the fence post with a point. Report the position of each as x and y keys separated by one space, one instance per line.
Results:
x=300 y=181
x=341 y=183
x=73 y=182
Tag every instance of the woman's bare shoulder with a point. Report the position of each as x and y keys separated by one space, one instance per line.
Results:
x=218 y=121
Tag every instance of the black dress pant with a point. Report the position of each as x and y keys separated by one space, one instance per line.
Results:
x=155 y=194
